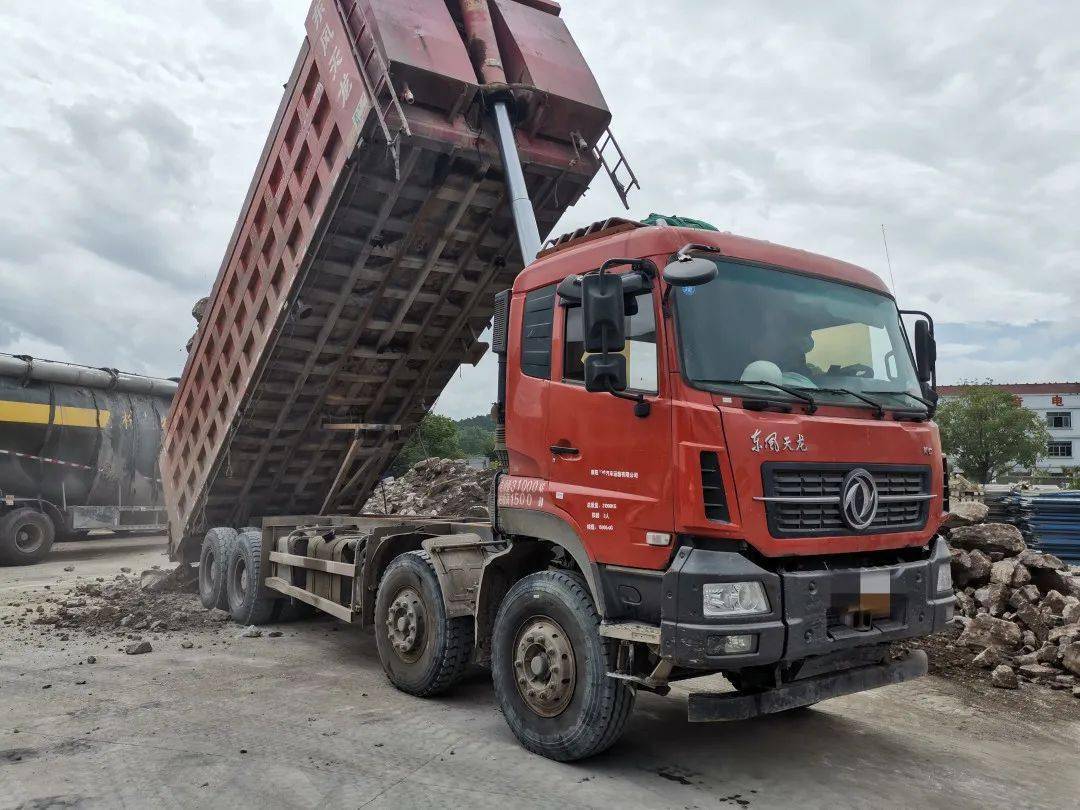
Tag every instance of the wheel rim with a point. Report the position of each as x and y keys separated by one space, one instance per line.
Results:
x=28 y=538
x=206 y=572
x=240 y=580
x=544 y=667
x=406 y=622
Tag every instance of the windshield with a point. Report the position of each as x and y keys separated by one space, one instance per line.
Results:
x=776 y=328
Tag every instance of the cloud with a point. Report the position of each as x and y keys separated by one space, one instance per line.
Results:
x=131 y=131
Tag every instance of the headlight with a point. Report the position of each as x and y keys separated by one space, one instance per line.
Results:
x=944 y=577
x=734 y=599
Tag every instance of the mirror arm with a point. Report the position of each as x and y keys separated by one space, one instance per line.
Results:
x=642 y=408
x=684 y=251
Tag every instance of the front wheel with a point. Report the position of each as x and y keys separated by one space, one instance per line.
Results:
x=550 y=669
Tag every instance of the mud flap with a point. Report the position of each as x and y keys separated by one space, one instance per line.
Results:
x=705 y=707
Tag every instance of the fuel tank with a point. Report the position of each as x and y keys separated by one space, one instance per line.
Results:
x=76 y=436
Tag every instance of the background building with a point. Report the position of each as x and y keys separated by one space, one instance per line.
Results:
x=1059 y=406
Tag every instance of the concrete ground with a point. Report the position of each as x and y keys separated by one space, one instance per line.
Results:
x=308 y=719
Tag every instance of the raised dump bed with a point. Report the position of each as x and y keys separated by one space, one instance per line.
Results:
x=361 y=272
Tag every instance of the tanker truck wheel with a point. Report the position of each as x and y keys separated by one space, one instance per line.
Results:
x=215 y=551
x=422 y=651
x=250 y=601
x=26 y=536
x=549 y=667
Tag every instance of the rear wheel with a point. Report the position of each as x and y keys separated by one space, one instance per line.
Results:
x=422 y=651
x=26 y=535
x=212 y=559
x=250 y=601
x=550 y=669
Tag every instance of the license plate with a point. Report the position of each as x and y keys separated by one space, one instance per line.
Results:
x=875 y=594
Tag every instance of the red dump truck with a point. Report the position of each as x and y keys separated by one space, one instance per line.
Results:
x=717 y=454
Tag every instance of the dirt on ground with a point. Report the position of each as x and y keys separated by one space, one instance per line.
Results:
x=127 y=609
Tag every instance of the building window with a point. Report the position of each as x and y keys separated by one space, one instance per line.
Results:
x=1059 y=450
x=640 y=345
x=1059 y=419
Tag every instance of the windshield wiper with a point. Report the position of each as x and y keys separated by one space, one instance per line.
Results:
x=811 y=405
x=929 y=405
x=873 y=403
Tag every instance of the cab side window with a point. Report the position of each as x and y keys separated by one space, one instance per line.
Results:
x=641 y=362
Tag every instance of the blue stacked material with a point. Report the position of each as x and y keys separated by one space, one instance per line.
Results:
x=1051 y=522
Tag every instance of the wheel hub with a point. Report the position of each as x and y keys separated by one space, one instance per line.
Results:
x=405 y=624
x=544 y=667
x=28 y=538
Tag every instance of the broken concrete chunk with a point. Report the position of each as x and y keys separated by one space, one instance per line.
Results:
x=1042 y=561
x=990 y=657
x=1003 y=677
x=1066 y=634
x=251 y=631
x=1070 y=657
x=964 y=513
x=1038 y=672
x=986 y=631
x=1054 y=602
x=991 y=538
x=1009 y=572
x=969 y=568
x=993 y=597
x=1033 y=619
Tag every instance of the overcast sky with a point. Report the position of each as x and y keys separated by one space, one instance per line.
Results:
x=130 y=131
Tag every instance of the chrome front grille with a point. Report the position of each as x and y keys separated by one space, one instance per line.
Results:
x=804 y=500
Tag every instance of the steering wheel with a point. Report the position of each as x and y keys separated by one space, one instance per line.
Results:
x=854 y=370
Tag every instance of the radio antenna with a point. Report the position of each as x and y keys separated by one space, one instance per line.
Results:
x=892 y=279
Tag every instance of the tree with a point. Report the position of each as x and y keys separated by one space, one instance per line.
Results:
x=476 y=441
x=988 y=432
x=437 y=437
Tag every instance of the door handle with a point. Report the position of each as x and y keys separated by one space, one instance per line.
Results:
x=564 y=450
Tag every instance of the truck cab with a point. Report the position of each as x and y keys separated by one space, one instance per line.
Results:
x=764 y=485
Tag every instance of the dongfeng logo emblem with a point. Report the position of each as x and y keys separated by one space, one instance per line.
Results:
x=858 y=499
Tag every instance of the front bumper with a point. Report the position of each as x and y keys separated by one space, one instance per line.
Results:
x=807 y=607
x=704 y=707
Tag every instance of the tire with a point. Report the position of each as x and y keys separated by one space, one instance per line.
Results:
x=212 y=559
x=548 y=619
x=428 y=653
x=26 y=535
x=249 y=600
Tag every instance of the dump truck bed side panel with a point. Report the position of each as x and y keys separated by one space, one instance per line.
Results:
x=360 y=277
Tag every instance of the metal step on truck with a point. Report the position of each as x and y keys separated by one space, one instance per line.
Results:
x=717 y=453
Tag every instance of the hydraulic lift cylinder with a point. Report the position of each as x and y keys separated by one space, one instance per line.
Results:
x=484 y=50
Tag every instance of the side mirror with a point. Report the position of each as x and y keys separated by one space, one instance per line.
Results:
x=603 y=313
x=605 y=372
x=690 y=271
x=925 y=351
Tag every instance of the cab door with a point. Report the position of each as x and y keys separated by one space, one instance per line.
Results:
x=611 y=470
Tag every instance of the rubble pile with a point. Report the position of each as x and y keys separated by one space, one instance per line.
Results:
x=1019 y=608
x=435 y=487
x=155 y=601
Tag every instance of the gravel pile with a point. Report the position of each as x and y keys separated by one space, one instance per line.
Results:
x=1019 y=609
x=435 y=487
